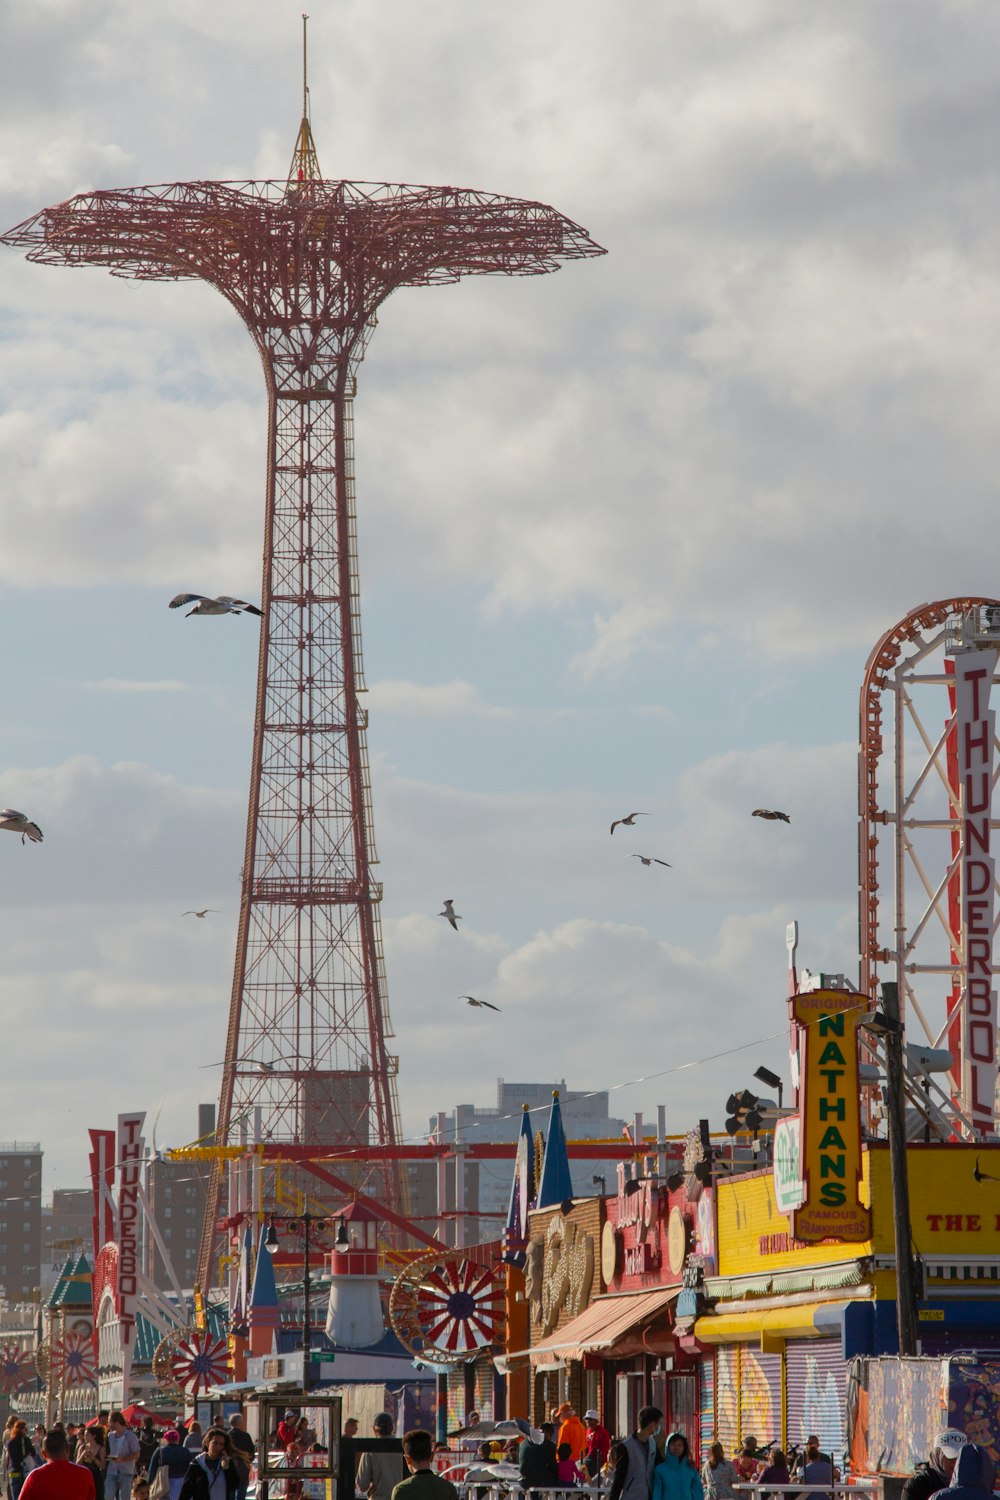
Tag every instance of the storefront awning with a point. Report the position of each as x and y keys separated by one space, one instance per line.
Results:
x=804 y=1320
x=606 y=1323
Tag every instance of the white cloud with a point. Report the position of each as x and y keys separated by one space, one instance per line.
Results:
x=441 y=700
x=129 y=685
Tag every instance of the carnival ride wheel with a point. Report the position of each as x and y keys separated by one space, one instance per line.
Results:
x=447 y=1309
x=72 y=1360
x=17 y=1368
x=189 y=1362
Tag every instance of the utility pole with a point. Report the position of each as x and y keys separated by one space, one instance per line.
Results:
x=892 y=1033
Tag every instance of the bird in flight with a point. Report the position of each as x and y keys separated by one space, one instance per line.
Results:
x=17 y=822
x=451 y=913
x=628 y=822
x=201 y=914
x=480 y=1004
x=771 y=815
x=223 y=605
x=261 y=1067
x=648 y=859
x=983 y=1176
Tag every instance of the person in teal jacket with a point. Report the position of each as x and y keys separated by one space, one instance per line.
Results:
x=676 y=1478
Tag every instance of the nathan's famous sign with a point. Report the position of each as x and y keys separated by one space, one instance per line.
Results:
x=829 y=1102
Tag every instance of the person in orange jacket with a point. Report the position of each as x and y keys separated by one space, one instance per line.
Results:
x=571 y=1431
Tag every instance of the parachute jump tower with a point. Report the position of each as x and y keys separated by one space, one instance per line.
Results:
x=306 y=263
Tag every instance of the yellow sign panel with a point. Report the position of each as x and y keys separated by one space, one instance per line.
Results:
x=831 y=1117
x=754 y=1236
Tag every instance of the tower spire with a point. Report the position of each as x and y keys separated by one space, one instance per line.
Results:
x=304 y=170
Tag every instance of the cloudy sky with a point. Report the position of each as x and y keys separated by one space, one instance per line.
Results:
x=627 y=533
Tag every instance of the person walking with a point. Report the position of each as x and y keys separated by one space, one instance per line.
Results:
x=676 y=1477
x=936 y=1473
x=244 y=1452
x=93 y=1455
x=193 y=1438
x=537 y=1461
x=379 y=1473
x=175 y=1458
x=58 y=1478
x=596 y=1444
x=212 y=1475
x=123 y=1450
x=640 y=1455
x=149 y=1441
x=423 y=1483
x=718 y=1475
x=20 y=1457
x=572 y=1431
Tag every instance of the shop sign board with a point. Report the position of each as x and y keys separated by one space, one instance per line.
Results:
x=788 y=1189
x=831 y=1206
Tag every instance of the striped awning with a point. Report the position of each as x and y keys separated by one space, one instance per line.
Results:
x=607 y=1322
x=954 y=1268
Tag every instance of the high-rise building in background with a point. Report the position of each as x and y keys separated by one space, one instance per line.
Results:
x=67 y=1227
x=20 y=1220
x=487 y=1183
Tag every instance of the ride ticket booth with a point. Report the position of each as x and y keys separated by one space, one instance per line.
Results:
x=315 y=1474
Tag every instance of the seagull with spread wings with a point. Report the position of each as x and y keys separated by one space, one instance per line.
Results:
x=770 y=814
x=628 y=822
x=224 y=604
x=203 y=913
x=451 y=913
x=479 y=1004
x=649 y=859
x=18 y=822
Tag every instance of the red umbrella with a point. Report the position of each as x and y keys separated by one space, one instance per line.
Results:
x=135 y=1413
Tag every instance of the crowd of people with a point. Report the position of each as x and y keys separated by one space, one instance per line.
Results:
x=651 y=1464
x=107 y=1459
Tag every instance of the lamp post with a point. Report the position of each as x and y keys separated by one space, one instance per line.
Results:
x=271 y=1245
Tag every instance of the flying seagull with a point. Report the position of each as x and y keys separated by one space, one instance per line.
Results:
x=648 y=859
x=262 y=1067
x=480 y=1004
x=471 y=999
x=771 y=816
x=983 y=1176
x=628 y=822
x=451 y=913
x=223 y=605
x=16 y=822
x=201 y=914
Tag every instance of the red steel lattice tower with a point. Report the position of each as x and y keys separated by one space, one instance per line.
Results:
x=306 y=263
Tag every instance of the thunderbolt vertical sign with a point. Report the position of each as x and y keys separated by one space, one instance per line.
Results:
x=129 y=1163
x=975 y=730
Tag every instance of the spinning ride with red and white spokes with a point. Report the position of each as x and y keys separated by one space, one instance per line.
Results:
x=17 y=1368
x=73 y=1361
x=445 y=1310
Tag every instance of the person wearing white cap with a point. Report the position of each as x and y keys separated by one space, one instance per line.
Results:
x=935 y=1475
x=596 y=1444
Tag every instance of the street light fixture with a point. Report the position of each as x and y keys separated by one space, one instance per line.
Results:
x=771 y=1079
x=306 y=1220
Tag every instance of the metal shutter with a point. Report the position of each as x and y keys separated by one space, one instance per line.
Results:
x=706 y=1403
x=727 y=1397
x=816 y=1394
x=760 y=1396
x=484 y=1389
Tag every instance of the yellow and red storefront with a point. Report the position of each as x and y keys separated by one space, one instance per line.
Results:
x=780 y=1319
